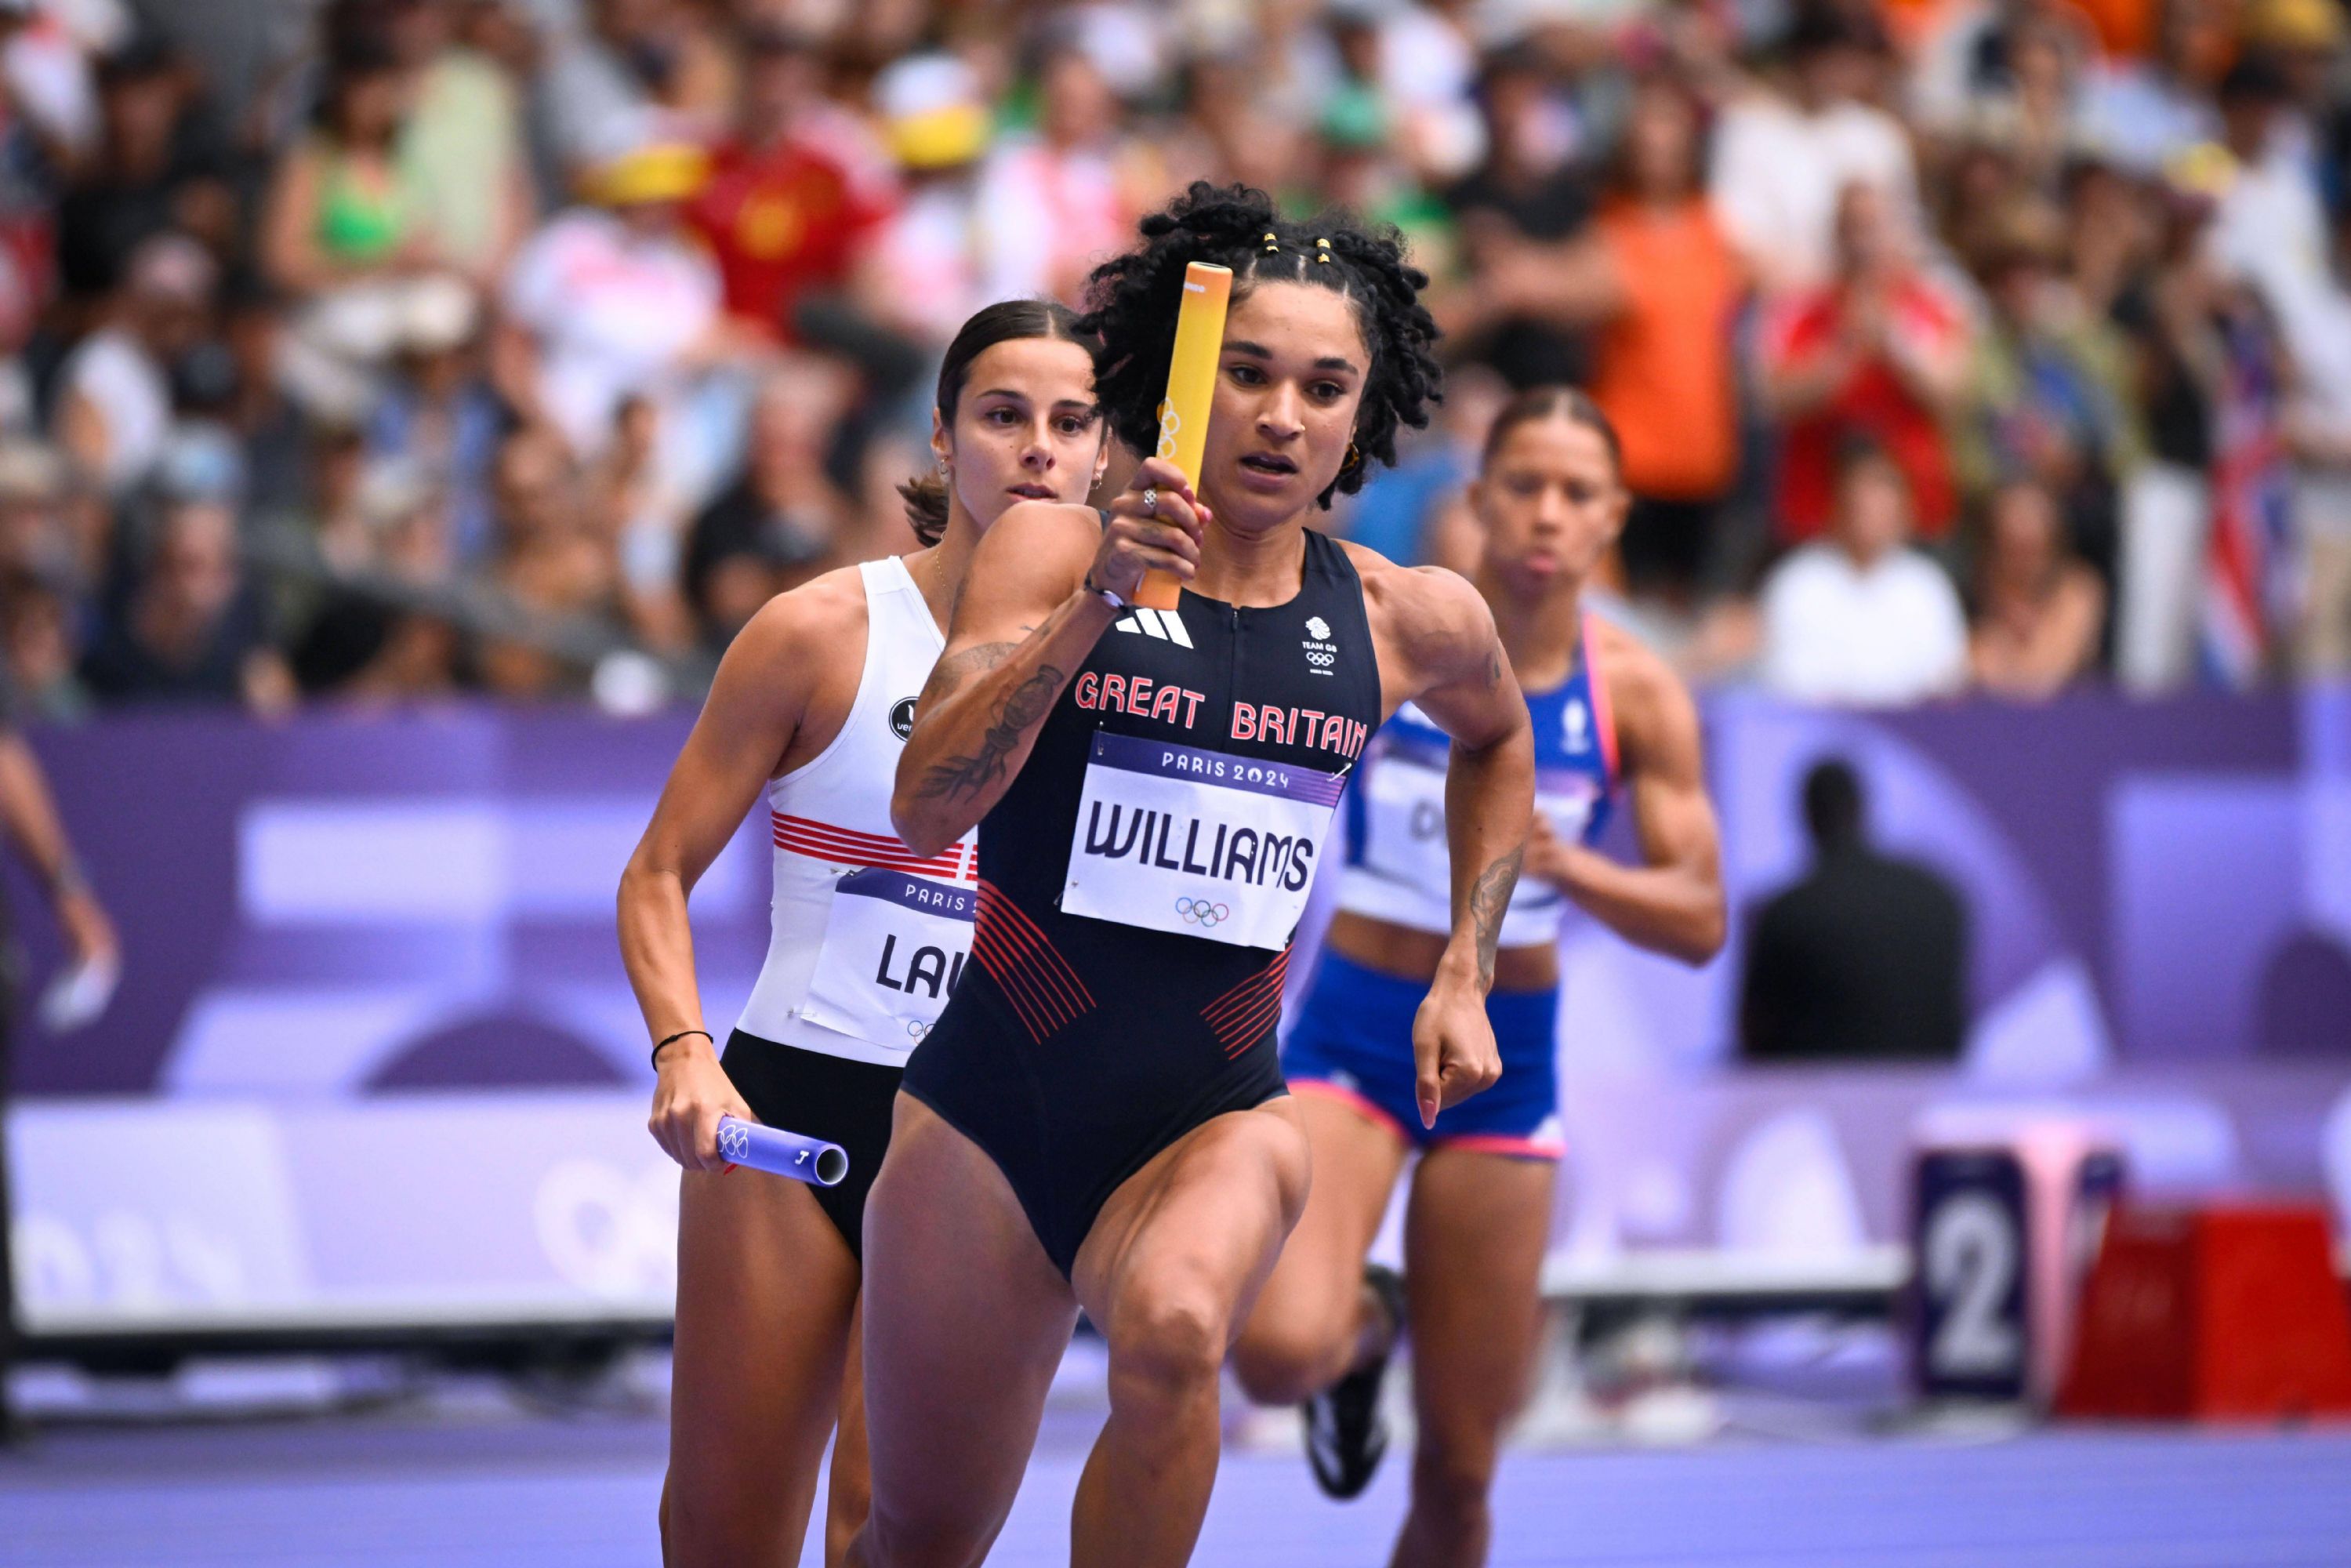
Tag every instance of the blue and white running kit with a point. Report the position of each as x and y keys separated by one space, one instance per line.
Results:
x=1353 y=1039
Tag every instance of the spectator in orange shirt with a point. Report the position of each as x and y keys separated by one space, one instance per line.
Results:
x=1880 y=353
x=2125 y=27
x=793 y=192
x=1670 y=285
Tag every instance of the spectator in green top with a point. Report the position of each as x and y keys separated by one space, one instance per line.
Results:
x=344 y=232
x=2047 y=397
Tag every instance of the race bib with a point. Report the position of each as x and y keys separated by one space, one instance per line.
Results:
x=1201 y=844
x=894 y=948
x=1403 y=809
x=1403 y=821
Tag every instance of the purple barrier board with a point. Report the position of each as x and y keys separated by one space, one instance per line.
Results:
x=361 y=952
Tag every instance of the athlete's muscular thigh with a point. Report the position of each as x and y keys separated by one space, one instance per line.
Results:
x=766 y=1288
x=965 y=1321
x=1301 y=1334
x=1207 y=1217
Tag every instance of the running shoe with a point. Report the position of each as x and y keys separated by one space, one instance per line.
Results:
x=1346 y=1436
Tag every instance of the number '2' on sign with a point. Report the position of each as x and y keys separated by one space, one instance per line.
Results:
x=1969 y=1324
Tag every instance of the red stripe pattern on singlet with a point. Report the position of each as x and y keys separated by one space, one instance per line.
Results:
x=846 y=846
x=1044 y=991
x=1242 y=1015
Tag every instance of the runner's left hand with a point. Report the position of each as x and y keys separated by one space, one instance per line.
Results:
x=1453 y=1050
x=1550 y=858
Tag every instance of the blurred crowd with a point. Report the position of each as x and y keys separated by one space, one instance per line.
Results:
x=373 y=350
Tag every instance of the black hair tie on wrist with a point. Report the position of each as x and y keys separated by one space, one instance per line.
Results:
x=673 y=1039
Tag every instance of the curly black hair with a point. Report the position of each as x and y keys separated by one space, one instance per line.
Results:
x=1133 y=299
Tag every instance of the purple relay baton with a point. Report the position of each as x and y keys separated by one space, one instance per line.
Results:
x=778 y=1152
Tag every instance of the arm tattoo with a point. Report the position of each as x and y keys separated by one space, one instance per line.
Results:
x=956 y=668
x=1023 y=706
x=1488 y=897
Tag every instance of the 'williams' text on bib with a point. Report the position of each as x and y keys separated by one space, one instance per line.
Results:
x=1201 y=844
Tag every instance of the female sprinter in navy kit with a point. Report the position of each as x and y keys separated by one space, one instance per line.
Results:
x=811 y=705
x=1610 y=720
x=1098 y=1119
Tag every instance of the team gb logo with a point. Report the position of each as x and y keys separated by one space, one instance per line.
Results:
x=1320 y=652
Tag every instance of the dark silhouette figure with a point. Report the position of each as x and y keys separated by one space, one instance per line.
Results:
x=1864 y=958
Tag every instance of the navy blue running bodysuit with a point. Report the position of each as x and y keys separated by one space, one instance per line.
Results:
x=1140 y=881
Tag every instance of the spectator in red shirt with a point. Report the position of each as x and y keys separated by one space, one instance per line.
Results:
x=1879 y=352
x=793 y=192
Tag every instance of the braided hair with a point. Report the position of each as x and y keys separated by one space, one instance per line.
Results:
x=1134 y=299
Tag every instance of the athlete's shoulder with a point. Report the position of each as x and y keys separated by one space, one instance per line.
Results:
x=1650 y=701
x=1431 y=610
x=1623 y=653
x=803 y=649
x=823 y=619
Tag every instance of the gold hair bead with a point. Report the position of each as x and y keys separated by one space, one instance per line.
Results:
x=1269 y=246
x=1322 y=250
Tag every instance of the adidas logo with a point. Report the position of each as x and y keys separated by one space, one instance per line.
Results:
x=1163 y=624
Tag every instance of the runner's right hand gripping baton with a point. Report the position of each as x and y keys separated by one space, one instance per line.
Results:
x=778 y=1152
x=1191 y=389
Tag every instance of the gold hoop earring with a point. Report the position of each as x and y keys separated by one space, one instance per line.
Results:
x=1355 y=458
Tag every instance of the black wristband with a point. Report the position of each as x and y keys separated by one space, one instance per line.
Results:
x=673 y=1039
x=1108 y=597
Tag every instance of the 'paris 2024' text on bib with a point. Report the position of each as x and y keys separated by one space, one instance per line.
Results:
x=1200 y=843
x=895 y=948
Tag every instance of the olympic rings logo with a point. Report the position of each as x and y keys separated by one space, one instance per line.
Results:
x=1322 y=660
x=1170 y=422
x=1201 y=912
x=917 y=1029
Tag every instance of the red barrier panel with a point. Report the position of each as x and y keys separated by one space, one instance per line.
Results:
x=2224 y=1313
